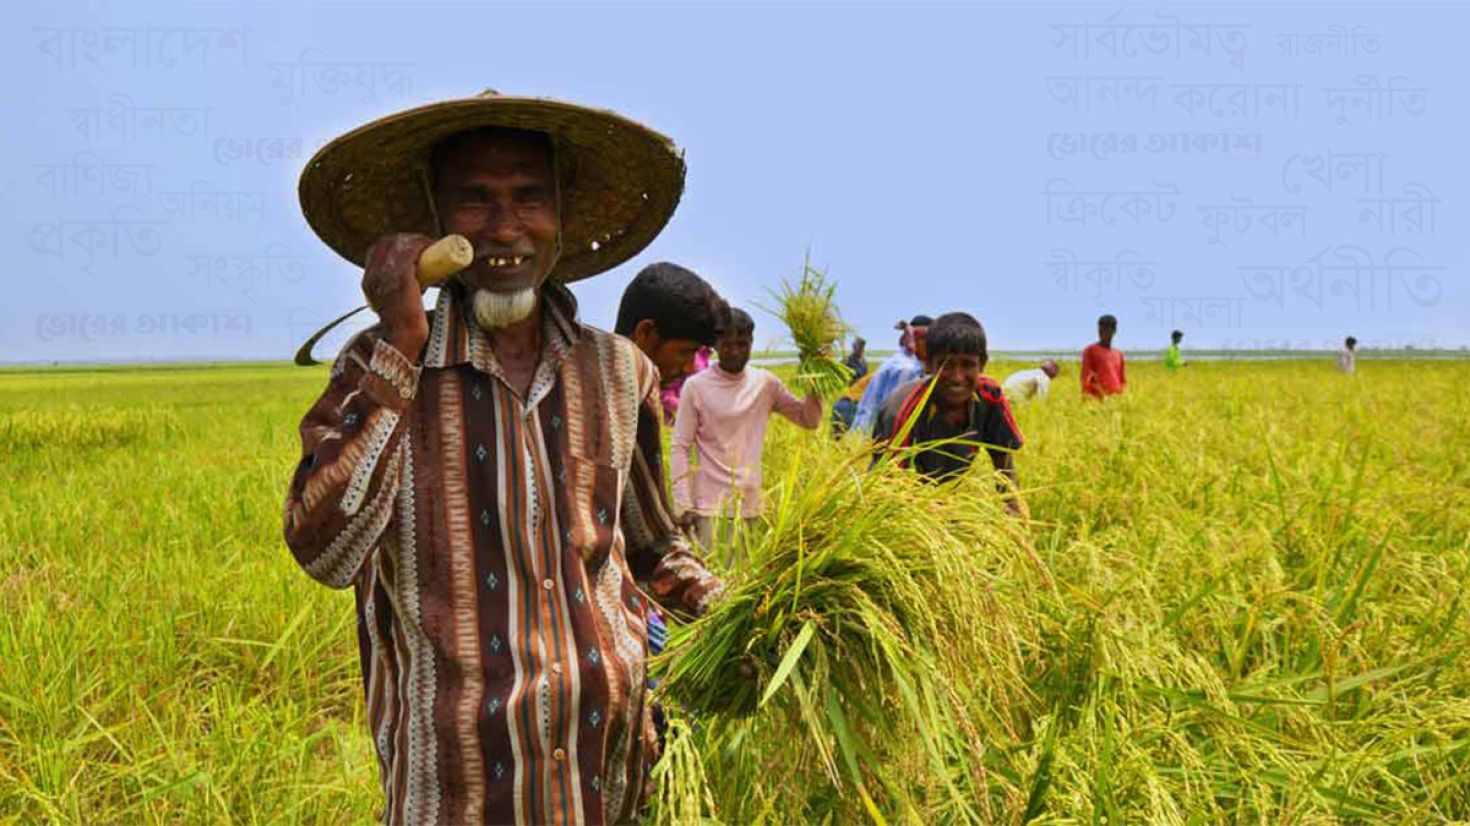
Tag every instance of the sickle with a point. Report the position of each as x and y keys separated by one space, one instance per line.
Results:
x=437 y=262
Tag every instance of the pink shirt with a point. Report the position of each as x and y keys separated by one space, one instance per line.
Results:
x=723 y=417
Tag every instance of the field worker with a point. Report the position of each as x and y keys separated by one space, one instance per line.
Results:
x=1025 y=385
x=964 y=405
x=856 y=361
x=671 y=314
x=1173 y=359
x=722 y=419
x=488 y=475
x=1103 y=373
x=903 y=366
x=1347 y=357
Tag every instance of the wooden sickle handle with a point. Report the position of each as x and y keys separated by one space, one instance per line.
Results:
x=444 y=258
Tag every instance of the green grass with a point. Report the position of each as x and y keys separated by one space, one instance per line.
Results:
x=1258 y=613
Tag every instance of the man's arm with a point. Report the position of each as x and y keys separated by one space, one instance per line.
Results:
x=805 y=413
x=657 y=552
x=342 y=495
x=352 y=452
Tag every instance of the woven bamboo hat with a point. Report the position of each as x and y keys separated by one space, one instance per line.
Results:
x=619 y=181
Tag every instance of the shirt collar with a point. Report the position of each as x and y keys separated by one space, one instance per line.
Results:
x=454 y=339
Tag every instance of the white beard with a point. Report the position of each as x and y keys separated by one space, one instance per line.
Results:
x=494 y=310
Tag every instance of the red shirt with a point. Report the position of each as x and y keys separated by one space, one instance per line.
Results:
x=1102 y=371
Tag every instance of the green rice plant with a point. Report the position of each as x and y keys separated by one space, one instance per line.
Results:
x=809 y=310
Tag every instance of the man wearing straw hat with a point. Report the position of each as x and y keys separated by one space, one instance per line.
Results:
x=487 y=476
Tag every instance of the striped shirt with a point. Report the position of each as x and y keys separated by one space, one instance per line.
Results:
x=499 y=548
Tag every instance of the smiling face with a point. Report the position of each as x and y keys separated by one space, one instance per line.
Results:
x=498 y=189
x=959 y=375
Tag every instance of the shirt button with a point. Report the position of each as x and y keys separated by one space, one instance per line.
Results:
x=559 y=755
x=547 y=584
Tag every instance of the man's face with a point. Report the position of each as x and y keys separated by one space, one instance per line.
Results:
x=674 y=357
x=959 y=375
x=860 y=347
x=1105 y=333
x=734 y=350
x=499 y=191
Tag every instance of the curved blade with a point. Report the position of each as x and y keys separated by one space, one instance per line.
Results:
x=303 y=354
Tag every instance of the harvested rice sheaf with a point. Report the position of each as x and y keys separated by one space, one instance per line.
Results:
x=809 y=310
x=879 y=655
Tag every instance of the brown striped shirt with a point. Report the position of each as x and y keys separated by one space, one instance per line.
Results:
x=497 y=546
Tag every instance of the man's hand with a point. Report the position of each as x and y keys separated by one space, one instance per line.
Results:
x=391 y=285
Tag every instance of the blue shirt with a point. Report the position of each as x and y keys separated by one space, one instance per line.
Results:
x=899 y=368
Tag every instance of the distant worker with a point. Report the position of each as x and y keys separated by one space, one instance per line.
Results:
x=1103 y=373
x=1173 y=359
x=1035 y=383
x=856 y=361
x=1347 y=357
x=903 y=366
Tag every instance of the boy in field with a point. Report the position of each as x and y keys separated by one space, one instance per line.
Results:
x=722 y=418
x=1103 y=373
x=965 y=411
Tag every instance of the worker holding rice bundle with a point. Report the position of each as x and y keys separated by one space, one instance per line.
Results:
x=722 y=421
x=488 y=476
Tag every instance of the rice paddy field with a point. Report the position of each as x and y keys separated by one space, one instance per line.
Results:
x=1239 y=598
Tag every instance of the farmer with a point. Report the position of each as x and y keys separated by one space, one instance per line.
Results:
x=671 y=314
x=722 y=418
x=1035 y=383
x=856 y=361
x=1347 y=357
x=487 y=476
x=1173 y=359
x=964 y=405
x=904 y=365
x=1102 y=366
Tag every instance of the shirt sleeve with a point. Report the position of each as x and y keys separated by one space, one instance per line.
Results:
x=805 y=413
x=686 y=424
x=342 y=494
x=873 y=395
x=657 y=552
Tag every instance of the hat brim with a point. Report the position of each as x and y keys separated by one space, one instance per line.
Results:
x=619 y=180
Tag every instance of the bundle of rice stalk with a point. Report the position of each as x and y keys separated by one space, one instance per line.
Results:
x=883 y=663
x=809 y=311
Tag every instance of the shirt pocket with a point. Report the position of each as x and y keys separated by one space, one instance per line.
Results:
x=589 y=508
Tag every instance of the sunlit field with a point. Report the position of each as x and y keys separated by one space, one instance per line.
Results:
x=1240 y=599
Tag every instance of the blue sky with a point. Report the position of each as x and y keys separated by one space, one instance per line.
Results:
x=1258 y=175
